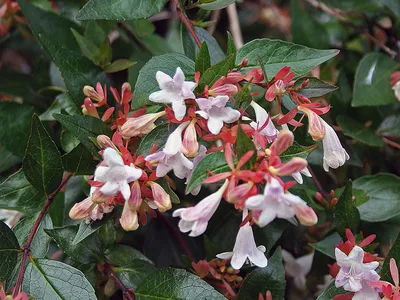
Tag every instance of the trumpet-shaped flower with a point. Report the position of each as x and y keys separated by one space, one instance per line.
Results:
x=245 y=249
x=216 y=113
x=195 y=219
x=116 y=175
x=264 y=123
x=297 y=175
x=174 y=90
x=298 y=268
x=171 y=157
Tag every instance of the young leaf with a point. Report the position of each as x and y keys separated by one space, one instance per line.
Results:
x=243 y=145
x=42 y=163
x=79 y=161
x=346 y=214
x=203 y=61
x=393 y=253
x=214 y=162
x=147 y=83
x=86 y=230
x=212 y=74
x=327 y=245
x=175 y=284
x=331 y=291
x=276 y=54
x=371 y=85
x=120 y=9
x=119 y=65
x=9 y=248
x=314 y=88
x=49 y=279
x=270 y=278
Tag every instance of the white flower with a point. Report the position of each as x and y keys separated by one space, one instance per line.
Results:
x=396 y=89
x=353 y=270
x=297 y=175
x=171 y=157
x=298 y=268
x=195 y=218
x=214 y=110
x=334 y=154
x=174 y=90
x=262 y=117
x=367 y=292
x=116 y=175
x=245 y=249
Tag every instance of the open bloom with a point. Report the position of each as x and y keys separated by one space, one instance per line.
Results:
x=275 y=203
x=174 y=90
x=195 y=219
x=334 y=153
x=298 y=268
x=171 y=157
x=297 y=175
x=245 y=249
x=264 y=123
x=116 y=175
x=353 y=270
x=215 y=111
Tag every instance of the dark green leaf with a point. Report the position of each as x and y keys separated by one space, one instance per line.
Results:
x=384 y=190
x=215 y=162
x=8 y=159
x=390 y=126
x=393 y=253
x=84 y=128
x=119 y=65
x=231 y=48
x=371 y=85
x=261 y=280
x=57 y=210
x=17 y=193
x=297 y=150
x=9 y=248
x=88 y=47
x=244 y=144
x=86 y=229
x=108 y=233
x=269 y=235
x=141 y=27
x=355 y=130
x=214 y=73
x=217 y=4
x=276 y=54
x=42 y=163
x=314 y=88
x=49 y=279
x=243 y=98
x=121 y=255
x=158 y=135
x=327 y=245
x=41 y=241
x=203 y=61
x=62 y=102
x=134 y=273
x=331 y=291
x=175 y=284
x=79 y=161
x=346 y=214
x=120 y=9
x=147 y=83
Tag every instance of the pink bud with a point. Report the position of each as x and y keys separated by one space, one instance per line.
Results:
x=82 y=209
x=316 y=127
x=190 y=146
x=226 y=89
x=256 y=75
x=105 y=142
x=90 y=108
x=294 y=165
x=305 y=214
x=161 y=198
x=135 y=201
x=140 y=125
x=129 y=218
x=283 y=141
x=234 y=77
x=92 y=93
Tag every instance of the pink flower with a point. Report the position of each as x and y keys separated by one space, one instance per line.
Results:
x=263 y=123
x=140 y=125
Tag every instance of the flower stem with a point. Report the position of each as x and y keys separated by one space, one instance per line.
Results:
x=187 y=23
x=126 y=292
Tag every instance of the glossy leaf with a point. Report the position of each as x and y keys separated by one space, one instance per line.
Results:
x=121 y=255
x=79 y=161
x=134 y=273
x=158 y=135
x=243 y=145
x=203 y=61
x=371 y=85
x=86 y=229
x=297 y=150
x=8 y=159
x=346 y=214
x=331 y=291
x=49 y=279
x=243 y=98
x=119 y=65
x=212 y=74
x=62 y=102
x=314 y=88
x=276 y=54
x=9 y=248
x=393 y=253
x=327 y=245
x=390 y=126
x=42 y=163
x=87 y=46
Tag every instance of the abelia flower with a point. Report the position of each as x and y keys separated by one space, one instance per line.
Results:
x=334 y=153
x=174 y=90
x=353 y=270
x=389 y=290
x=316 y=126
x=245 y=249
x=275 y=203
x=396 y=89
x=298 y=268
x=279 y=83
x=129 y=216
x=190 y=145
x=116 y=175
x=216 y=113
x=195 y=218
x=171 y=157
x=161 y=200
x=297 y=175
x=263 y=123
x=140 y=125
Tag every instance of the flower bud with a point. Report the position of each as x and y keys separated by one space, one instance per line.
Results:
x=90 y=108
x=89 y=91
x=161 y=198
x=255 y=75
x=234 y=77
x=82 y=209
x=140 y=125
x=296 y=164
x=135 y=200
x=283 y=141
x=190 y=146
x=126 y=93
x=305 y=214
x=226 y=89
x=239 y=192
x=105 y=142
x=316 y=126
x=129 y=218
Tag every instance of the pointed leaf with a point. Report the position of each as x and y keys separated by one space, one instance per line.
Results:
x=314 y=88
x=119 y=65
x=214 y=73
x=393 y=253
x=9 y=248
x=331 y=291
x=346 y=214
x=203 y=61
x=327 y=245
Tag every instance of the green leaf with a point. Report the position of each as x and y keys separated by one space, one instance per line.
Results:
x=147 y=83
x=42 y=163
x=261 y=280
x=243 y=98
x=297 y=150
x=217 y=4
x=41 y=241
x=214 y=73
x=243 y=145
x=175 y=284
x=108 y=233
x=46 y=279
x=79 y=161
x=394 y=6
x=346 y=214
x=17 y=193
x=141 y=27
x=164 y=184
x=8 y=159
x=393 y=253
x=203 y=61
x=86 y=230
x=134 y=273
x=355 y=130
x=384 y=191
x=215 y=162
x=88 y=48
x=390 y=126
x=14 y=132
x=62 y=102
x=327 y=245
x=314 y=88
x=276 y=54
x=119 y=65
x=85 y=252
x=158 y=135
x=121 y=255
x=84 y=128
x=331 y=291
x=120 y=9
x=76 y=70
x=371 y=84
x=9 y=248
x=269 y=235
x=231 y=48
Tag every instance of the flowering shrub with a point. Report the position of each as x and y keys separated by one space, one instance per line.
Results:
x=141 y=164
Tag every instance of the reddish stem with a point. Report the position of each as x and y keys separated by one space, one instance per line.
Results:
x=187 y=23
x=125 y=291
x=26 y=247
